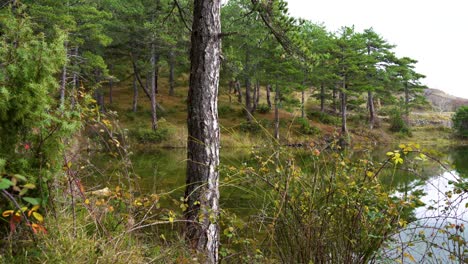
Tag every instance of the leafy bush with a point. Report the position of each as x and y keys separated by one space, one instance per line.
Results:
x=225 y=110
x=306 y=128
x=333 y=206
x=144 y=135
x=460 y=121
x=323 y=118
x=254 y=127
x=263 y=108
x=397 y=124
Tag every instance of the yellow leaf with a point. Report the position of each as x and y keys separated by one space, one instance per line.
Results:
x=409 y=256
x=402 y=146
x=38 y=216
x=86 y=201
x=402 y=223
x=29 y=186
x=369 y=174
x=35 y=208
x=390 y=153
x=7 y=213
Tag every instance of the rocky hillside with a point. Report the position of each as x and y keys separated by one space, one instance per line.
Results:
x=443 y=102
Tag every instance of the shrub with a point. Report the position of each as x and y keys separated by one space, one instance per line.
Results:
x=460 y=121
x=144 y=135
x=254 y=127
x=323 y=118
x=225 y=110
x=397 y=124
x=306 y=128
x=263 y=108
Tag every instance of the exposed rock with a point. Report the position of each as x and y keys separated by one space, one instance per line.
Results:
x=443 y=102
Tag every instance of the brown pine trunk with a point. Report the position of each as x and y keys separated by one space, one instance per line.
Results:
x=268 y=90
x=335 y=105
x=202 y=193
x=344 y=129
x=303 y=104
x=171 y=73
x=370 y=99
x=75 y=79
x=248 y=100
x=406 y=102
x=111 y=84
x=277 y=101
x=255 y=97
x=63 y=84
x=135 y=93
x=154 y=81
x=231 y=88
x=239 y=92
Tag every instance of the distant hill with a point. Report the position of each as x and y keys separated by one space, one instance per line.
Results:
x=443 y=102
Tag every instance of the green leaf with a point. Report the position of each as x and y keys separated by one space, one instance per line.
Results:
x=33 y=201
x=5 y=184
x=20 y=177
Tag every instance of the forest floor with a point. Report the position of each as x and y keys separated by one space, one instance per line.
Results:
x=428 y=127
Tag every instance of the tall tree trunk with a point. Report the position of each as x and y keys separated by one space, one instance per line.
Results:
x=202 y=193
x=322 y=98
x=231 y=88
x=63 y=84
x=370 y=99
x=111 y=84
x=277 y=101
x=154 y=80
x=344 y=129
x=257 y=97
x=239 y=92
x=335 y=105
x=268 y=90
x=135 y=93
x=75 y=79
x=406 y=102
x=248 y=100
x=171 y=73
x=303 y=103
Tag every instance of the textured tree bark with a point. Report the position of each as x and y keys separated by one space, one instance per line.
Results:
x=171 y=73
x=254 y=98
x=154 y=81
x=248 y=100
x=135 y=93
x=268 y=90
x=303 y=104
x=111 y=85
x=335 y=105
x=344 y=129
x=75 y=79
x=202 y=193
x=63 y=84
x=277 y=100
x=370 y=99
x=239 y=92
x=257 y=96
x=406 y=102
x=248 y=97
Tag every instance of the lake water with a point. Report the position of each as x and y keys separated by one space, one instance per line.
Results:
x=441 y=222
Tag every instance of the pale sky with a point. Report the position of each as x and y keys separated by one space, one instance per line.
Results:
x=434 y=32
